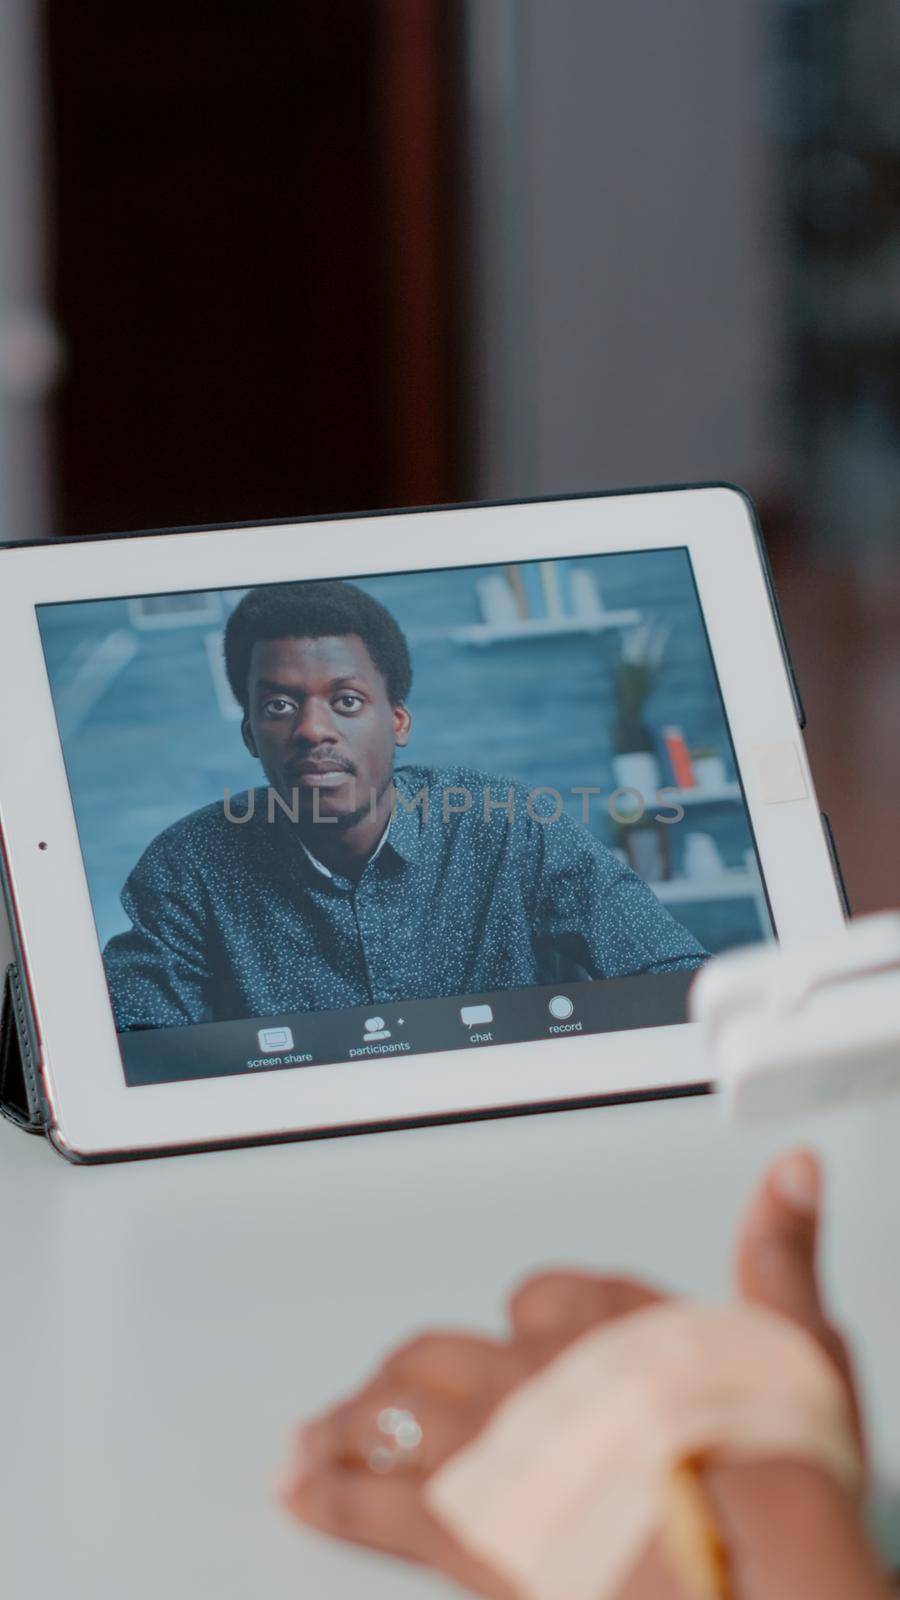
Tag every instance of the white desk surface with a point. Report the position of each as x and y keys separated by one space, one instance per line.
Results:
x=165 y=1322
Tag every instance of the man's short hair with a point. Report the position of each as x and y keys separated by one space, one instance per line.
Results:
x=321 y=609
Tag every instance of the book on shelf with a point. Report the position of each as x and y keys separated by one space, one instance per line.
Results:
x=539 y=591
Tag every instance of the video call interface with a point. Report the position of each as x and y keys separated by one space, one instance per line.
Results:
x=332 y=821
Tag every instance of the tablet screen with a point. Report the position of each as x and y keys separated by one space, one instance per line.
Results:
x=342 y=820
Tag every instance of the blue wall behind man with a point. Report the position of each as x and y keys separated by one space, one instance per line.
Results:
x=150 y=732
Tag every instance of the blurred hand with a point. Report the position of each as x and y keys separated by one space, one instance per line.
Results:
x=790 y=1530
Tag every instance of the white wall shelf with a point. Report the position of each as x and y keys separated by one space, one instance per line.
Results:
x=483 y=633
x=729 y=884
x=713 y=795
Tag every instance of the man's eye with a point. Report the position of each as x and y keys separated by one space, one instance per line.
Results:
x=279 y=707
x=349 y=701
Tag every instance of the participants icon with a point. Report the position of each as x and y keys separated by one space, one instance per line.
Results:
x=375 y=1029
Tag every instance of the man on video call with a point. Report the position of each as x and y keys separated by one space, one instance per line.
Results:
x=348 y=881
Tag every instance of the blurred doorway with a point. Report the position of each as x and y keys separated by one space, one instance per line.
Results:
x=254 y=267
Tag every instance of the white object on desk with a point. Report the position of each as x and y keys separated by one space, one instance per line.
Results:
x=794 y=1030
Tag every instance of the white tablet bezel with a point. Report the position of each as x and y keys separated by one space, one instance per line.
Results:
x=93 y=1111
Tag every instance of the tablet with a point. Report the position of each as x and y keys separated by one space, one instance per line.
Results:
x=344 y=824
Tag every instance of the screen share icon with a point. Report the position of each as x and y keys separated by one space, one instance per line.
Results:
x=272 y=1039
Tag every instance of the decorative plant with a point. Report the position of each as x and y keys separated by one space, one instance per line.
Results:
x=641 y=654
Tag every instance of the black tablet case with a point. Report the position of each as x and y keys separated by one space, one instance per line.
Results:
x=21 y=1095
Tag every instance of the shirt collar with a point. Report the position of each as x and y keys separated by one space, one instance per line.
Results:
x=326 y=871
x=405 y=827
x=402 y=834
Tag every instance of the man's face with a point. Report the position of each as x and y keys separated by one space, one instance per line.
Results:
x=320 y=721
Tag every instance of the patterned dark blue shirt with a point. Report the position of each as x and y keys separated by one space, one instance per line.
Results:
x=235 y=920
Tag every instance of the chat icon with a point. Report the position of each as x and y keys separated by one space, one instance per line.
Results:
x=476 y=1016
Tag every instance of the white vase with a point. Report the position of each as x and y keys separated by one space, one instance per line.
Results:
x=701 y=856
x=638 y=769
x=709 y=772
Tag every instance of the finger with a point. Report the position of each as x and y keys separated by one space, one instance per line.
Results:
x=455 y=1365
x=387 y=1514
x=359 y=1432
x=778 y=1239
x=353 y=1503
x=777 y=1248
x=560 y=1306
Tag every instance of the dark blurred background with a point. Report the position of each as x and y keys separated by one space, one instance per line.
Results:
x=286 y=258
